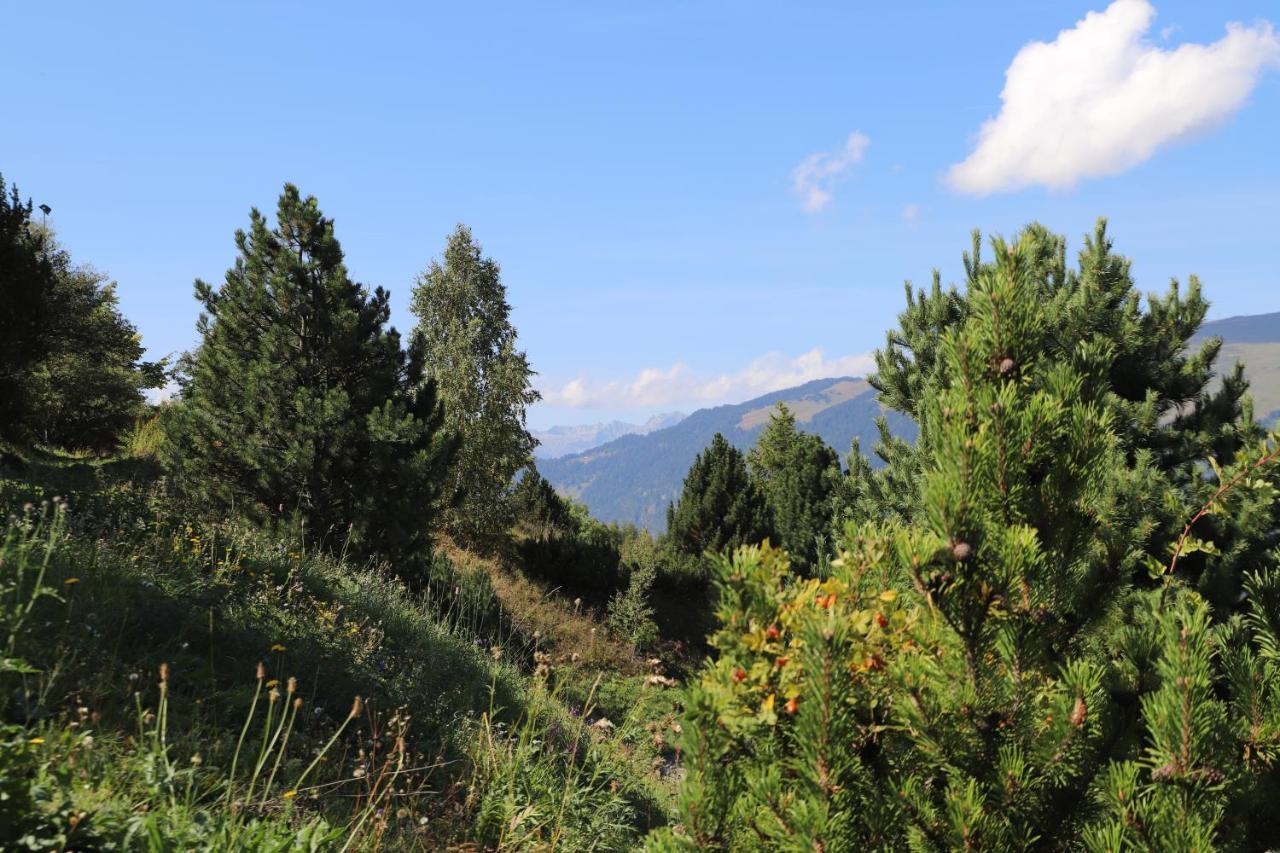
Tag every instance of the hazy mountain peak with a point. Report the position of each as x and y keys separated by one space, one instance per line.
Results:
x=558 y=441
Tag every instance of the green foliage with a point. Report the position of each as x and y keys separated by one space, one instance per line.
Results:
x=575 y=552
x=71 y=374
x=145 y=440
x=552 y=780
x=800 y=477
x=301 y=400
x=630 y=610
x=87 y=389
x=469 y=344
x=26 y=279
x=90 y=600
x=720 y=508
x=996 y=661
x=1169 y=412
x=538 y=510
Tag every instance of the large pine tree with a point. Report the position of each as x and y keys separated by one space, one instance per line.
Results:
x=997 y=660
x=300 y=399
x=469 y=344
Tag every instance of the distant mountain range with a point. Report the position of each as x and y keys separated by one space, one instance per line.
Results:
x=1255 y=340
x=632 y=477
x=563 y=440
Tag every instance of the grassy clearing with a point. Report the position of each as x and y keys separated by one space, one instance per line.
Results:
x=571 y=631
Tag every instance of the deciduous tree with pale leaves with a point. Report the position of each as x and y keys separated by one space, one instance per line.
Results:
x=469 y=344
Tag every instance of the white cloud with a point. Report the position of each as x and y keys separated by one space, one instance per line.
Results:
x=1101 y=98
x=814 y=179
x=167 y=393
x=678 y=385
x=910 y=213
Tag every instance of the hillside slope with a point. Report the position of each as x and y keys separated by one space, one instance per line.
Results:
x=632 y=479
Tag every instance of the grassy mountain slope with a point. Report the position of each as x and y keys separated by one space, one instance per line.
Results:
x=633 y=478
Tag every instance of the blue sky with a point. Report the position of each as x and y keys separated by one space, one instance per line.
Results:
x=675 y=192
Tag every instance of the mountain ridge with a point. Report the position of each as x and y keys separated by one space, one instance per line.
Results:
x=558 y=441
x=631 y=479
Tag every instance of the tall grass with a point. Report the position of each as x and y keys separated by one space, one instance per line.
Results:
x=130 y=721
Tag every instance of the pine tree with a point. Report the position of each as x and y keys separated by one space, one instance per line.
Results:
x=720 y=506
x=538 y=509
x=465 y=332
x=983 y=668
x=26 y=280
x=300 y=399
x=799 y=476
x=1160 y=389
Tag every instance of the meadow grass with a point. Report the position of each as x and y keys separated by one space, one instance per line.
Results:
x=175 y=683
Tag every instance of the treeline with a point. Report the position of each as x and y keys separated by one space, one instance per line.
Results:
x=1052 y=622
x=300 y=402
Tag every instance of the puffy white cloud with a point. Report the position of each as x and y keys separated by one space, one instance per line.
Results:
x=1101 y=98
x=814 y=179
x=678 y=385
x=910 y=213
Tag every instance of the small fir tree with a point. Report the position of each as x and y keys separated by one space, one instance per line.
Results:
x=799 y=476
x=539 y=511
x=982 y=669
x=300 y=399
x=630 y=611
x=720 y=506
